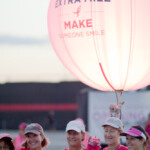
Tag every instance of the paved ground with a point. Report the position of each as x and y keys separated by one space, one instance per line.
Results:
x=57 y=138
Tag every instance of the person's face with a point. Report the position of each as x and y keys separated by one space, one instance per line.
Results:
x=4 y=146
x=133 y=143
x=34 y=141
x=111 y=135
x=74 y=138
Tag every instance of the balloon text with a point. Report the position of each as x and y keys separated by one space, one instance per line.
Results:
x=78 y=24
x=64 y=2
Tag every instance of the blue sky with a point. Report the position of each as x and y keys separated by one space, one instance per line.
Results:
x=26 y=54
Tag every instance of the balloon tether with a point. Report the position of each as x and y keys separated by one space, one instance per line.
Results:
x=119 y=102
x=115 y=109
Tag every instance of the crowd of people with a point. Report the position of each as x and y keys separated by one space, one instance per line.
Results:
x=32 y=137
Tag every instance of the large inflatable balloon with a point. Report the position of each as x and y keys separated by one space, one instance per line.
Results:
x=104 y=43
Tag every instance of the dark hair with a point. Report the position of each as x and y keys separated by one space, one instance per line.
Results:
x=8 y=142
x=145 y=133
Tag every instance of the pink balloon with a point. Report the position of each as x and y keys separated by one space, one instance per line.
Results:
x=104 y=43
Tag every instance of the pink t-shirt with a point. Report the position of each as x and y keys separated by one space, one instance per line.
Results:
x=18 y=141
x=85 y=142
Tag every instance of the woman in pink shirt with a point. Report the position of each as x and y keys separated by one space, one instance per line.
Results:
x=35 y=138
x=113 y=127
x=6 y=142
x=136 y=138
x=20 y=138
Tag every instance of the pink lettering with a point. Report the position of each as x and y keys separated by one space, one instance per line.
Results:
x=89 y=23
x=67 y=25
x=85 y=23
x=74 y=25
x=81 y=23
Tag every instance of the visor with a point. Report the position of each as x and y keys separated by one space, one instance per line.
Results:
x=5 y=135
x=134 y=132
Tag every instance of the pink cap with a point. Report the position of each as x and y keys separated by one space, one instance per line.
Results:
x=134 y=132
x=23 y=125
x=5 y=135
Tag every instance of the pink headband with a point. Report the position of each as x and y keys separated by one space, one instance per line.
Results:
x=134 y=132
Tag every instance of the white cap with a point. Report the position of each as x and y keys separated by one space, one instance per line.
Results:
x=76 y=126
x=113 y=122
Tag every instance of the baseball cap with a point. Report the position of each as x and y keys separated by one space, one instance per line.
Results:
x=34 y=128
x=113 y=122
x=76 y=126
x=5 y=135
x=134 y=132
